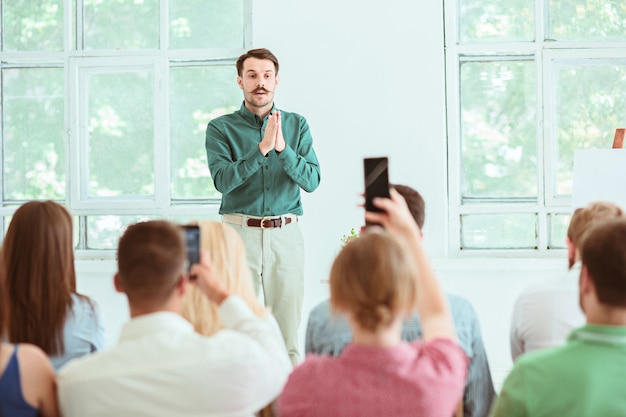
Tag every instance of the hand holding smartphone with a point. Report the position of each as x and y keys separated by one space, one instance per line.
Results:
x=192 y=245
x=376 y=177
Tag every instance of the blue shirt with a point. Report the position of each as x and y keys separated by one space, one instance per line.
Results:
x=83 y=332
x=329 y=334
x=250 y=182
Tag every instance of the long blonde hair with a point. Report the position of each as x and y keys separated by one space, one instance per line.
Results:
x=228 y=258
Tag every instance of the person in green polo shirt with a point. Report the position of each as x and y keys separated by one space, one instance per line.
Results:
x=585 y=377
x=260 y=157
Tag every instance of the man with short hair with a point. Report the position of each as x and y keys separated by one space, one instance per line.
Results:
x=585 y=377
x=260 y=157
x=329 y=334
x=545 y=313
x=161 y=367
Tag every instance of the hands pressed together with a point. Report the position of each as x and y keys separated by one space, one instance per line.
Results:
x=273 y=138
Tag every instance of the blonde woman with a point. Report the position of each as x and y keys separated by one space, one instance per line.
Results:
x=227 y=255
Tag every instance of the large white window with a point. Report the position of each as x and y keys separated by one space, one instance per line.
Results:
x=528 y=82
x=104 y=104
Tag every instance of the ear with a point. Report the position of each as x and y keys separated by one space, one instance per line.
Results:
x=240 y=82
x=181 y=285
x=117 y=283
x=585 y=283
x=571 y=248
x=277 y=80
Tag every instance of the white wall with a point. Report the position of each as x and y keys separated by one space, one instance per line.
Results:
x=369 y=77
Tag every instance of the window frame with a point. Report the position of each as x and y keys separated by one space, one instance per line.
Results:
x=543 y=52
x=79 y=62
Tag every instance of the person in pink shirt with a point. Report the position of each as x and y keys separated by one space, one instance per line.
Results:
x=375 y=281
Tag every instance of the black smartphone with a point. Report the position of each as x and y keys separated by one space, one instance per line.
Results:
x=192 y=244
x=376 y=175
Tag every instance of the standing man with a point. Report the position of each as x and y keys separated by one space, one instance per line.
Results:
x=259 y=158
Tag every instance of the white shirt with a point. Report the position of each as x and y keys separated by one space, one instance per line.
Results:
x=161 y=367
x=545 y=314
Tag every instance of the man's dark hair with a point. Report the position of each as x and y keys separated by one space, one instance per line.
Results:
x=150 y=258
x=604 y=256
x=260 y=53
x=414 y=201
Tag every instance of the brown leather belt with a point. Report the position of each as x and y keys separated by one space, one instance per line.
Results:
x=268 y=222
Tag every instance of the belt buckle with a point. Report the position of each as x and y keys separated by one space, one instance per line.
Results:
x=263 y=221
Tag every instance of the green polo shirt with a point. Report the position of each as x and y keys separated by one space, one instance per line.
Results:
x=583 y=378
x=252 y=183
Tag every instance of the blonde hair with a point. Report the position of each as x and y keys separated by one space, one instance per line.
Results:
x=374 y=278
x=228 y=258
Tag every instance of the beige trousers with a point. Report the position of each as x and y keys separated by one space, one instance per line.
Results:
x=276 y=261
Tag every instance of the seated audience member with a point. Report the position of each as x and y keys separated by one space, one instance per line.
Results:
x=585 y=377
x=161 y=366
x=227 y=255
x=44 y=308
x=544 y=314
x=375 y=281
x=329 y=334
x=27 y=385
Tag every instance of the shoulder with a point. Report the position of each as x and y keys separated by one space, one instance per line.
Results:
x=443 y=351
x=313 y=367
x=320 y=313
x=292 y=117
x=34 y=365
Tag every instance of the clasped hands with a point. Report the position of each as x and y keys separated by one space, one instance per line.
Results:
x=273 y=138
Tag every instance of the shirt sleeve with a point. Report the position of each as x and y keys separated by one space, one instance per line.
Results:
x=301 y=164
x=236 y=315
x=228 y=174
x=479 y=391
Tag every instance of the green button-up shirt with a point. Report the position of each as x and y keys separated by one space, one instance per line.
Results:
x=583 y=378
x=252 y=183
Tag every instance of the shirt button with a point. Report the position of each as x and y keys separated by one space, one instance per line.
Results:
x=267 y=209
x=267 y=188
x=266 y=167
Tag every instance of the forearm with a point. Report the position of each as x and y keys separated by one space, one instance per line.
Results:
x=306 y=173
x=432 y=305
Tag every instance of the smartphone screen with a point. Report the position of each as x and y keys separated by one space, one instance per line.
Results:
x=376 y=175
x=192 y=244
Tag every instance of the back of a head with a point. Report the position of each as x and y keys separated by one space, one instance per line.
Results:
x=227 y=254
x=373 y=278
x=583 y=218
x=150 y=258
x=38 y=268
x=414 y=201
x=604 y=256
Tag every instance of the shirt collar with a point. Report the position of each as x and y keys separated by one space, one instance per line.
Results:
x=154 y=323
x=251 y=117
x=596 y=333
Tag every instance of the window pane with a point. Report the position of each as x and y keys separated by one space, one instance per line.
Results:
x=114 y=24
x=103 y=232
x=499 y=231
x=498 y=129
x=558 y=224
x=29 y=25
x=120 y=117
x=590 y=105
x=593 y=20
x=197 y=95
x=206 y=24
x=496 y=20
x=33 y=134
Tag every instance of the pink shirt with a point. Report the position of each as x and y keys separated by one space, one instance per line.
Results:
x=411 y=379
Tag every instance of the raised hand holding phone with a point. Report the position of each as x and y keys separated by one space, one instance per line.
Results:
x=376 y=179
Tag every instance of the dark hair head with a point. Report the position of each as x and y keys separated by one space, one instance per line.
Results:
x=150 y=259
x=604 y=256
x=260 y=53
x=374 y=279
x=414 y=201
x=38 y=269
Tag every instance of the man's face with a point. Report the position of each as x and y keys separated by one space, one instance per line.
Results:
x=258 y=81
